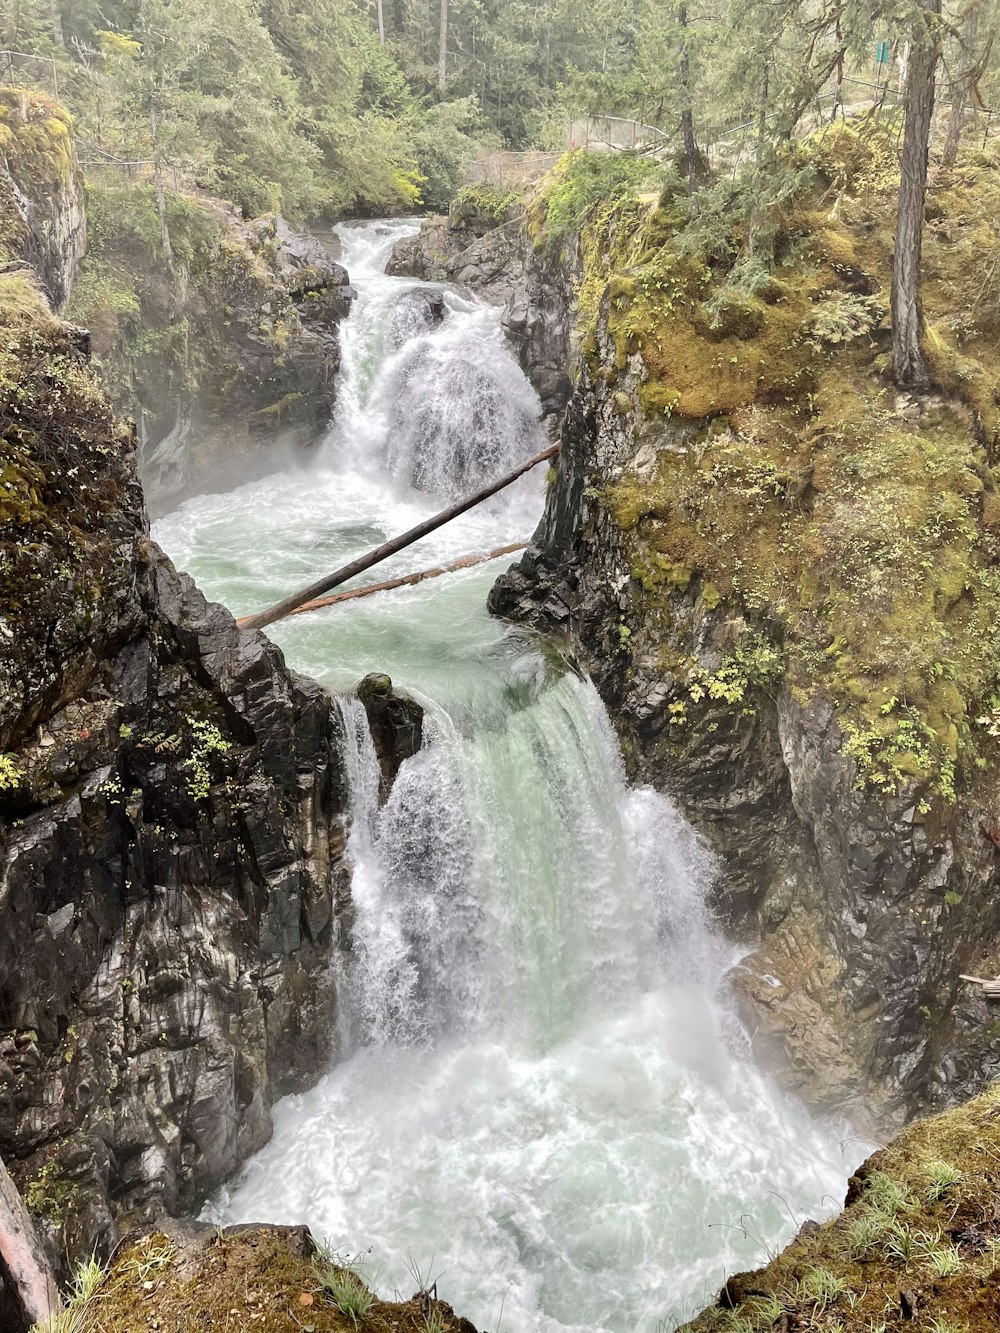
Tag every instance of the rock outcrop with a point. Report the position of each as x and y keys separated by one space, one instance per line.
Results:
x=396 y=722
x=266 y=323
x=42 y=218
x=171 y=835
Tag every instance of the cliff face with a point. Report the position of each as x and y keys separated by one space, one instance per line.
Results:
x=42 y=216
x=171 y=821
x=742 y=535
x=225 y=353
x=170 y=847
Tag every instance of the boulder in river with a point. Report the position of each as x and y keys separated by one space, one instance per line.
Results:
x=396 y=721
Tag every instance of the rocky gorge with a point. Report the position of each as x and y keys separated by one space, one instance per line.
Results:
x=865 y=907
x=174 y=798
x=867 y=889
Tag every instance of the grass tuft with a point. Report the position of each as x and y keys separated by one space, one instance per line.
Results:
x=346 y=1290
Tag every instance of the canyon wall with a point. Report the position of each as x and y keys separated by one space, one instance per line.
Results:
x=789 y=641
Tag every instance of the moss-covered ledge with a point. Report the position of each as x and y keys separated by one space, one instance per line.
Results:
x=189 y=1277
x=916 y=1246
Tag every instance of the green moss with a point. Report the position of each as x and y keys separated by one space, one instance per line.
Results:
x=869 y=538
x=50 y=1194
x=580 y=184
x=710 y=596
x=484 y=198
x=36 y=136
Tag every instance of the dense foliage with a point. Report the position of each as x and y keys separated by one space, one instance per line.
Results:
x=327 y=106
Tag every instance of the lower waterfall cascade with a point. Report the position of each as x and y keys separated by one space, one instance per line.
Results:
x=544 y=1095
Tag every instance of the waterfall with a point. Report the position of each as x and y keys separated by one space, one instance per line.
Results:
x=544 y=1087
x=429 y=395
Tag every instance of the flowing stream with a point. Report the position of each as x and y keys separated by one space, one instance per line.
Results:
x=544 y=1099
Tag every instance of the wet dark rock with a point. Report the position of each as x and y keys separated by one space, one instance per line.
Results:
x=416 y=311
x=396 y=722
x=171 y=873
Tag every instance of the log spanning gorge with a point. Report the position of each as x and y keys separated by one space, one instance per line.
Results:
x=542 y=1091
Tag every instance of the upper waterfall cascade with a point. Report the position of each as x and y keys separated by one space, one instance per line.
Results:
x=544 y=1092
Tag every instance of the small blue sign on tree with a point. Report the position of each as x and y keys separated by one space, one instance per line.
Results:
x=883 y=52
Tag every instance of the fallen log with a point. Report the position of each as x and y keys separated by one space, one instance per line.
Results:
x=315 y=590
x=405 y=580
x=23 y=1266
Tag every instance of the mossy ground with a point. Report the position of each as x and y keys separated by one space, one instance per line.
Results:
x=36 y=136
x=861 y=527
x=36 y=142
x=917 y=1247
x=234 y=1284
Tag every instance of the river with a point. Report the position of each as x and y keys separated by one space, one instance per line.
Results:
x=544 y=1098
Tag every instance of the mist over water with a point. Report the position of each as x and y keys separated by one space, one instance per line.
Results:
x=544 y=1094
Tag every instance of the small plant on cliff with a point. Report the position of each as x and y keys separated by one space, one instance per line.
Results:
x=866 y=1231
x=822 y=1287
x=83 y=1289
x=207 y=740
x=347 y=1291
x=11 y=773
x=149 y=1258
x=843 y=316
x=941 y=1176
x=901 y=1245
x=944 y=1260
x=754 y=663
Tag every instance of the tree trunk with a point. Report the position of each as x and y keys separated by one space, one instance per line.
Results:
x=443 y=48
x=762 y=112
x=381 y=22
x=161 y=202
x=907 y=317
x=960 y=85
x=23 y=1266
x=288 y=605
x=838 y=98
x=694 y=163
x=57 y=26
